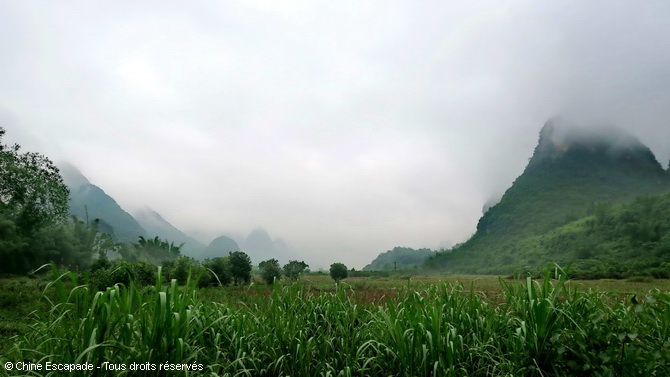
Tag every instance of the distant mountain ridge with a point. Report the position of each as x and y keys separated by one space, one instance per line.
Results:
x=89 y=202
x=261 y=247
x=571 y=170
x=156 y=225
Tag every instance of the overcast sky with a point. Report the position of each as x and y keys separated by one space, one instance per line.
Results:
x=344 y=127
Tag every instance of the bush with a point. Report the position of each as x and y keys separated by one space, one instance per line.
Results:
x=107 y=274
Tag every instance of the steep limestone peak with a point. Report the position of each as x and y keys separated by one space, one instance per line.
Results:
x=71 y=175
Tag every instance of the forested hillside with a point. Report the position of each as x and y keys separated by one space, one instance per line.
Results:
x=399 y=258
x=88 y=202
x=572 y=175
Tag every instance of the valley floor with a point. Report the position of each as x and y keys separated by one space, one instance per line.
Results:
x=398 y=325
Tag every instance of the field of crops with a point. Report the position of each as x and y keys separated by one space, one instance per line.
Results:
x=547 y=327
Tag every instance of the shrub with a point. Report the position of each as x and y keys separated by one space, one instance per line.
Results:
x=122 y=272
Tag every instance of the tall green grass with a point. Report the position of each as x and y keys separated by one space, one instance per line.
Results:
x=542 y=328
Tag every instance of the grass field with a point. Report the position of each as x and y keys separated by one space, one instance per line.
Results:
x=393 y=326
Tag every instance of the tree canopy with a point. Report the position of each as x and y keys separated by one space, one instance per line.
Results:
x=32 y=192
x=270 y=270
x=294 y=268
x=338 y=271
x=240 y=267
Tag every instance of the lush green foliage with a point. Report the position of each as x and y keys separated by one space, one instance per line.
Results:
x=540 y=328
x=34 y=228
x=270 y=270
x=70 y=243
x=240 y=267
x=105 y=273
x=399 y=258
x=536 y=221
x=219 y=269
x=32 y=192
x=338 y=271
x=156 y=250
x=613 y=241
x=294 y=268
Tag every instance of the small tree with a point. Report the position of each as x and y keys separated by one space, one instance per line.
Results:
x=157 y=250
x=270 y=270
x=338 y=271
x=221 y=267
x=32 y=192
x=180 y=269
x=293 y=269
x=240 y=267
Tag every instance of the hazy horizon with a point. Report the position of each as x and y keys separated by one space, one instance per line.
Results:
x=345 y=129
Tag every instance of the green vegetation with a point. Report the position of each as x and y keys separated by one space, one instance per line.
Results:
x=554 y=211
x=270 y=270
x=294 y=268
x=32 y=192
x=34 y=227
x=220 y=271
x=400 y=258
x=545 y=327
x=240 y=267
x=338 y=271
x=614 y=241
x=572 y=205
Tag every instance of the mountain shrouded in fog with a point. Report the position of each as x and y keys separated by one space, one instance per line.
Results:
x=571 y=170
x=219 y=247
x=156 y=225
x=346 y=128
x=89 y=202
x=261 y=247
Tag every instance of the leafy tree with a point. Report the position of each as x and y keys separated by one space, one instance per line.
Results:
x=221 y=268
x=157 y=250
x=32 y=192
x=293 y=269
x=240 y=267
x=270 y=270
x=338 y=271
x=180 y=269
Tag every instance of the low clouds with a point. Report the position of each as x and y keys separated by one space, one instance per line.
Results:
x=343 y=128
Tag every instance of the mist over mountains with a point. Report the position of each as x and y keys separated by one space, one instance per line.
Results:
x=571 y=172
x=572 y=169
x=156 y=225
x=89 y=202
